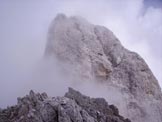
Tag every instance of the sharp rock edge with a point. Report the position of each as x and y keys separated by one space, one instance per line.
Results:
x=73 y=107
x=96 y=54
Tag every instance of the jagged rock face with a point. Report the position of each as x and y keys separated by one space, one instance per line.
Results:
x=74 y=107
x=96 y=54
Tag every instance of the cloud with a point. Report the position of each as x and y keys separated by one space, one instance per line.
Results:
x=24 y=25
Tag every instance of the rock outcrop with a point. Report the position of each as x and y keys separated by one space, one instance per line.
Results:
x=73 y=107
x=96 y=54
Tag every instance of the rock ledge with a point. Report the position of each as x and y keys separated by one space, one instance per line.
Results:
x=73 y=107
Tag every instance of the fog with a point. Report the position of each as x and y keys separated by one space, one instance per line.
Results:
x=23 y=31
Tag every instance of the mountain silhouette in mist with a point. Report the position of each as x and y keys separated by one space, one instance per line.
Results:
x=96 y=54
x=93 y=54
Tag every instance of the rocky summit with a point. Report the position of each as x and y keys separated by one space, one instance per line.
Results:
x=92 y=54
x=96 y=54
x=73 y=107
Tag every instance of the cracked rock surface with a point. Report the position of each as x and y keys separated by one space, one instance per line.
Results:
x=73 y=107
x=96 y=54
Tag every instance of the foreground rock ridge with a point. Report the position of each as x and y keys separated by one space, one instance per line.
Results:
x=73 y=107
x=94 y=53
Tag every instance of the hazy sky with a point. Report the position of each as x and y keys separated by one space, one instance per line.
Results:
x=24 y=25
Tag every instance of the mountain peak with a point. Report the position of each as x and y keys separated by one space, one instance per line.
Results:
x=96 y=54
x=60 y=16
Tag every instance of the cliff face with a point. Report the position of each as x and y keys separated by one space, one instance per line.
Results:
x=96 y=54
x=93 y=54
x=73 y=107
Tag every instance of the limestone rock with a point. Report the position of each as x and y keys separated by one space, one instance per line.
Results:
x=37 y=108
x=96 y=54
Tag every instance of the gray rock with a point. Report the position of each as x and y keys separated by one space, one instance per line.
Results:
x=96 y=54
x=35 y=108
